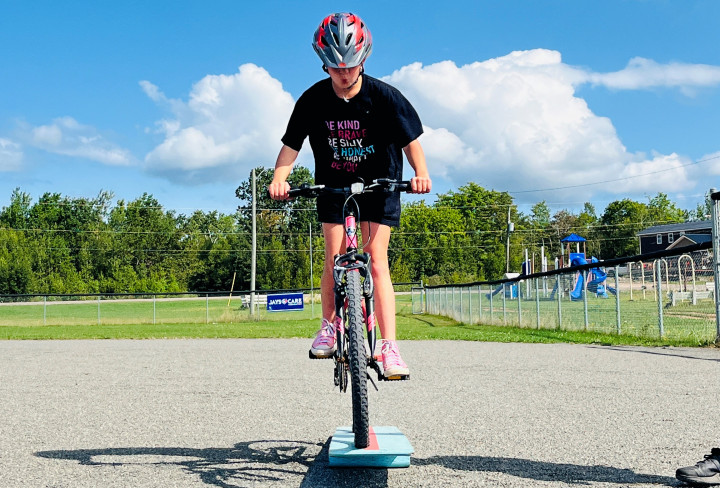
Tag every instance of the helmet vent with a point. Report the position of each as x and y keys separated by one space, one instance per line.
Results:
x=342 y=40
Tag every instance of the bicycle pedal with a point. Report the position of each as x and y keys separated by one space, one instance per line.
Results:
x=312 y=356
x=397 y=377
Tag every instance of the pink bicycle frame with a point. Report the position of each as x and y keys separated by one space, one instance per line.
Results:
x=351 y=242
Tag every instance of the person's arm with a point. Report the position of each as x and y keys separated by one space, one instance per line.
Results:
x=279 y=187
x=415 y=155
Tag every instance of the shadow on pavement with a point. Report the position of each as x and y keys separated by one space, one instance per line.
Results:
x=321 y=475
x=245 y=464
x=305 y=464
x=657 y=352
x=544 y=471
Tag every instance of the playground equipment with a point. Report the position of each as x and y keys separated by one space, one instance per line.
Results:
x=642 y=277
x=596 y=283
x=511 y=290
x=694 y=295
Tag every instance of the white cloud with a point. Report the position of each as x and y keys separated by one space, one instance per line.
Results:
x=641 y=73
x=68 y=137
x=710 y=166
x=511 y=123
x=514 y=123
x=229 y=124
x=668 y=172
x=11 y=155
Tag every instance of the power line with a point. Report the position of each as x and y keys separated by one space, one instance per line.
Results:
x=616 y=179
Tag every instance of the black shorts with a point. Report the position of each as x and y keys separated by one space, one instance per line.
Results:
x=381 y=207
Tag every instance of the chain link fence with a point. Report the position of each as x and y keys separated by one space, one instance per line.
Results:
x=170 y=308
x=670 y=297
x=668 y=294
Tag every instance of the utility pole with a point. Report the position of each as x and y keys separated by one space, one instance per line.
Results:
x=714 y=197
x=253 y=259
x=510 y=228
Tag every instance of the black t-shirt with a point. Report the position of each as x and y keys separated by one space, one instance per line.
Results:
x=362 y=137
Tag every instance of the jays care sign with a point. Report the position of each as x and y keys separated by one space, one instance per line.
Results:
x=285 y=302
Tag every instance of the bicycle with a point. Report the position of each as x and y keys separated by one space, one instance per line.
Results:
x=354 y=305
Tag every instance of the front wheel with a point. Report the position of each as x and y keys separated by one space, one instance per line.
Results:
x=358 y=361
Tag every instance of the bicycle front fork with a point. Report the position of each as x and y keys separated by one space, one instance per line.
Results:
x=362 y=265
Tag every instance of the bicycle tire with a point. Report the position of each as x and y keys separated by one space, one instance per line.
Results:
x=358 y=361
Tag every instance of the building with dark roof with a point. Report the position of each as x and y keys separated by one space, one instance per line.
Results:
x=660 y=237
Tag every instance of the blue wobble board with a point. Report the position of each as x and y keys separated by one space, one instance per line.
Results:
x=388 y=448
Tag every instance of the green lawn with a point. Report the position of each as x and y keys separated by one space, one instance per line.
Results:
x=685 y=323
x=215 y=318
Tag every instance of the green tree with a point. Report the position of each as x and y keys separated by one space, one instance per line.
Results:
x=16 y=273
x=282 y=230
x=621 y=221
x=484 y=214
x=661 y=210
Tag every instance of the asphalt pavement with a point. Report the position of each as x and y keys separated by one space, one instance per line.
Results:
x=240 y=413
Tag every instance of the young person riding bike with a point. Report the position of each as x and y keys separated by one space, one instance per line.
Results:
x=359 y=127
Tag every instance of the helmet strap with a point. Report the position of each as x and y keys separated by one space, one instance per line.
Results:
x=362 y=71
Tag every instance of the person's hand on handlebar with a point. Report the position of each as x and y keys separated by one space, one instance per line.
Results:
x=421 y=184
x=279 y=190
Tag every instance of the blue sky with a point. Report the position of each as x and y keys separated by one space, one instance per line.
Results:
x=180 y=99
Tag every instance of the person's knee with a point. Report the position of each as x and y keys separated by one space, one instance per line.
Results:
x=380 y=268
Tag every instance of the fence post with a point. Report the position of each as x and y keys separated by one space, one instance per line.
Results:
x=45 y=310
x=660 y=300
x=470 y=303
x=585 y=298
x=446 y=301
x=154 y=308
x=715 y=196
x=492 y=319
x=559 y=301
x=462 y=311
x=617 y=298
x=505 y=303
x=479 y=303
x=425 y=301
x=207 y=308
x=98 y=309
x=537 y=302
x=519 y=305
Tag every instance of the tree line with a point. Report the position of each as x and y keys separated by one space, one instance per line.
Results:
x=64 y=245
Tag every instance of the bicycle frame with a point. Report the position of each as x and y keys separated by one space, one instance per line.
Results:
x=353 y=262
x=354 y=307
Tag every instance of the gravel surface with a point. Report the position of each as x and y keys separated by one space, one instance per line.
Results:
x=237 y=413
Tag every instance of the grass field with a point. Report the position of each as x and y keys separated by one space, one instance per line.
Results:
x=215 y=318
x=687 y=323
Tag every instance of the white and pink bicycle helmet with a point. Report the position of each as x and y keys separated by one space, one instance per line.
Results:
x=342 y=41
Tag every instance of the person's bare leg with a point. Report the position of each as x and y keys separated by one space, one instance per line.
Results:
x=377 y=246
x=323 y=345
x=377 y=238
x=334 y=244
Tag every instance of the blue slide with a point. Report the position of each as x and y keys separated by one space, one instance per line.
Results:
x=595 y=285
x=576 y=294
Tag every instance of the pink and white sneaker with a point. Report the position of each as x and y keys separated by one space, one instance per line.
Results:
x=324 y=344
x=394 y=368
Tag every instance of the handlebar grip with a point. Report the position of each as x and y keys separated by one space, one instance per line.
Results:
x=394 y=185
x=306 y=190
x=404 y=186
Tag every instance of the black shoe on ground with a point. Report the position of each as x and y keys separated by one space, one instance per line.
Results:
x=704 y=473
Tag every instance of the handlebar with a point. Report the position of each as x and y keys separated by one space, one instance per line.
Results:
x=312 y=191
